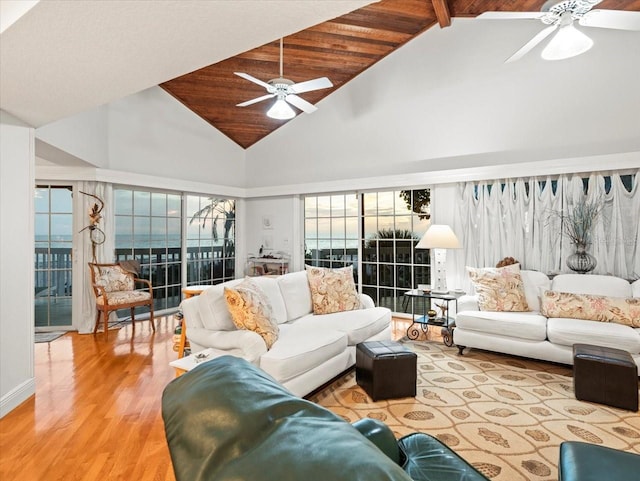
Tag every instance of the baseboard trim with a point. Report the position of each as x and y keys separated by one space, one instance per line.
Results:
x=17 y=396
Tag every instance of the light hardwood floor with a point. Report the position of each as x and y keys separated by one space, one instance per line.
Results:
x=96 y=413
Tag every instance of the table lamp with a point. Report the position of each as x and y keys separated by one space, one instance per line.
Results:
x=439 y=237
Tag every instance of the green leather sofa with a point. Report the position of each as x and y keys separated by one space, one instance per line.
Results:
x=227 y=420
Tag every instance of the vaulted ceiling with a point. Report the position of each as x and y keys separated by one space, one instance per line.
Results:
x=340 y=49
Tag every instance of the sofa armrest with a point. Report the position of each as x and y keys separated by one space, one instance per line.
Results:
x=241 y=343
x=468 y=303
x=426 y=458
x=381 y=435
x=366 y=302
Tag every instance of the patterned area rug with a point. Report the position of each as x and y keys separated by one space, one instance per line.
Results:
x=507 y=416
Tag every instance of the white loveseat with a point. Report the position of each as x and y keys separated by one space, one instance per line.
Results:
x=530 y=334
x=310 y=349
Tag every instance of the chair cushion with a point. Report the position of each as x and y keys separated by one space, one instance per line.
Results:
x=358 y=325
x=124 y=297
x=114 y=279
x=300 y=348
x=499 y=288
x=567 y=332
x=296 y=294
x=523 y=325
x=212 y=306
x=597 y=285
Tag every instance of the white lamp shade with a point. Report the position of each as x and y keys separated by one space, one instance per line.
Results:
x=568 y=42
x=281 y=110
x=439 y=236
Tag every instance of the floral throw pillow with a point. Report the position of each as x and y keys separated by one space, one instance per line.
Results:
x=250 y=309
x=591 y=308
x=332 y=290
x=499 y=288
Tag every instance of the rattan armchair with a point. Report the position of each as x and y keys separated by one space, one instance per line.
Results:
x=114 y=289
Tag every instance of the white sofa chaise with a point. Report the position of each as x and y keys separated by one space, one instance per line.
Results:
x=310 y=349
x=532 y=335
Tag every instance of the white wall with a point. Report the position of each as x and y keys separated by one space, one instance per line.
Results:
x=17 y=381
x=152 y=133
x=84 y=136
x=283 y=214
x=446 y=100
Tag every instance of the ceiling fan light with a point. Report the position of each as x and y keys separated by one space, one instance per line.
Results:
x=568 y=42
x=281 y=111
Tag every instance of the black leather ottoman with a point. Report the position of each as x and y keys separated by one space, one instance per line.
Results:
x=591 y=462
x=386 y=369
x=605 y=375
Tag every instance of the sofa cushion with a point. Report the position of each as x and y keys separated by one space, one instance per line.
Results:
x=635 y=288
x=567 y=332
x=212 y=307
x=534 y=282
x=332 y=290
x=301 y=348
x=250 y=309
x=296 y=294
x=523 y=325
x=596 y=285
x=269 y=286
x=499 y=288
x=589 y=307
x=358 y=325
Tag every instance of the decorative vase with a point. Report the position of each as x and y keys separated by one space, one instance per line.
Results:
x=581 y=261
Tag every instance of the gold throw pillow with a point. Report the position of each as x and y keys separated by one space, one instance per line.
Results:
x=250 y=309
x=499 y=288
x=622 y=310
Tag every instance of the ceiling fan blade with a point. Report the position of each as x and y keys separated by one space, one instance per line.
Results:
x=532 y=43
x=301 y=103
x=255 y=101
x=309 y=85
x=252 y=79
x=509 y=15
x=615 y=19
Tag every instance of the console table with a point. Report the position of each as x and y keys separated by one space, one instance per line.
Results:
x=420 y=319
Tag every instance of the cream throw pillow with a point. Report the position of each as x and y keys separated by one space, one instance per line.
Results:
x=499 y=288
x=332 y=290
x=250 y=310
x=591 y=308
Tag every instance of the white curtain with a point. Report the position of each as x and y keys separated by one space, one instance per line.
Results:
x=515 y=217
x=104 y=252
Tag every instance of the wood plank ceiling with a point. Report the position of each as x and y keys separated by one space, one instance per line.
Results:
x=339 y=49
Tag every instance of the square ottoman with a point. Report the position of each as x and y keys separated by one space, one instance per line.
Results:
x=605 y=375
x=386 y=369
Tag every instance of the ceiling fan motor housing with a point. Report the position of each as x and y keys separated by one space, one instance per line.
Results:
x=280 y=85
x=555 y=10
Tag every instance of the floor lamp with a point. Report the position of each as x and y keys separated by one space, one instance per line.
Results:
x=439 y=237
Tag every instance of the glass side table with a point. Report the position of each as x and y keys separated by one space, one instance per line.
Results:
x=422 y=318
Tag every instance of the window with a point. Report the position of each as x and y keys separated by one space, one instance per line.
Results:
x=210 y=240
x=149 y=230
x=382 y=227
x=331 y=231
x=393 y=223
x=52 y=256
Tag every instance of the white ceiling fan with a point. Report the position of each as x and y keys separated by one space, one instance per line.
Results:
x=286 y=92
x=559 y=16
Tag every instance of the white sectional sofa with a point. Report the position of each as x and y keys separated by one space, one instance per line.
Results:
x=532 y=335
x=310 y=349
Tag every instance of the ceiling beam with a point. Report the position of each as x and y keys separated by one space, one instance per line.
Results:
x=442 y=12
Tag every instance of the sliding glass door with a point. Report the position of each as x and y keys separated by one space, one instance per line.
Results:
x=52 y=256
